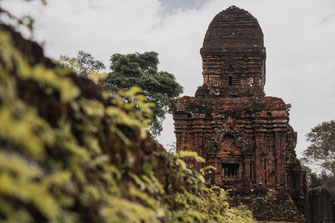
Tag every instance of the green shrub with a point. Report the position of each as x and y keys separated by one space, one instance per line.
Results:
x=71 y=152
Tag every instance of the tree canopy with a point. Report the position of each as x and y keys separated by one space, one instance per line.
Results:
x=137 y=69
x=141 y=70
x=83 y=64
x=321 y=151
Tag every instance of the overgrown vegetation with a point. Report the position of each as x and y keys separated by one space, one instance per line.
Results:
x=321 y=153
x=141 y=69
x=137 y=69
x=276 y=205
x=83 y=64
x=72 y=152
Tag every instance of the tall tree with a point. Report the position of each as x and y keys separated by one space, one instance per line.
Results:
x=141 y=70
x=83 y=64
x=321 y=151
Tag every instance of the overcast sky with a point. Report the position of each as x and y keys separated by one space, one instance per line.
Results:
x=299 y=38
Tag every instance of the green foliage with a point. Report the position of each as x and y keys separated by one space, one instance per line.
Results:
x=70 y=156
x=321 y=152
x=83 y=64
x=141 y=70
x=190 y=154
x=319 y=179
x=38 y=160
x=322 y=179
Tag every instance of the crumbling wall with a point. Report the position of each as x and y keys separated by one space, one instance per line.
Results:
x=321 y=205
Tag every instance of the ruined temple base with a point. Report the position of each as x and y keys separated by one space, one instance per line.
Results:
x=272 y=204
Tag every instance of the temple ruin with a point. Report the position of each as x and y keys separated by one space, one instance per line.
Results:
x=231 y=123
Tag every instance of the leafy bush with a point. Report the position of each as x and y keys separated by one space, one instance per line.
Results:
x=71 y=152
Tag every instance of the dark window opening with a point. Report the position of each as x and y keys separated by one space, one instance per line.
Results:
x=230 y=80
x=230 y=68
x=230 y=170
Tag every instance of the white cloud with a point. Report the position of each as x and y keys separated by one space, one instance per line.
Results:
x=299 y=37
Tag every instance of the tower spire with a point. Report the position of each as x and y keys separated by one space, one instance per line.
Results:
x=233 y=55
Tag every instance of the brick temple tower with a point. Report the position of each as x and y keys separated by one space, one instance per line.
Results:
x=230 y=122
x=233 y=55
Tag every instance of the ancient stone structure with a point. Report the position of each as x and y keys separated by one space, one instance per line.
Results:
x=321 y=208
x=231 y=122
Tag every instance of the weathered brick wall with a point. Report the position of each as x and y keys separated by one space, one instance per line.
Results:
x=321 y=205
x=233 y=55
x=267 y=155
